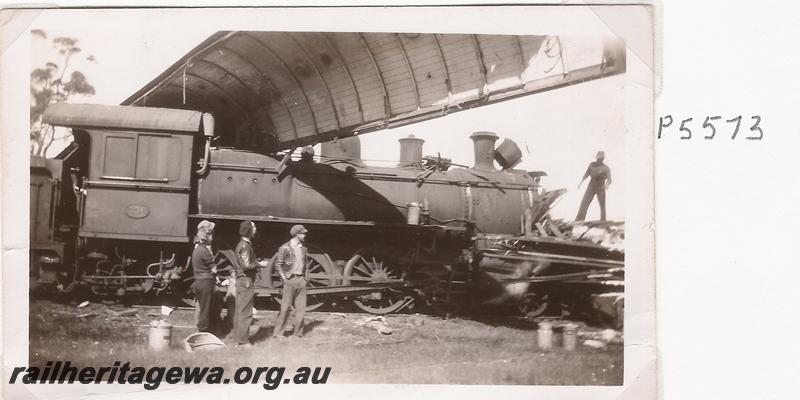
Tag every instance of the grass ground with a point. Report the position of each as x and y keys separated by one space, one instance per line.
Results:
x=421 y=349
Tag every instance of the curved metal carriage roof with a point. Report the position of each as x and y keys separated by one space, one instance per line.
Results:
x=271 y=91
x=118 y=117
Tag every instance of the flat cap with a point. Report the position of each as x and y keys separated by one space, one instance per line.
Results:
x=297 y=229
x=245 y=227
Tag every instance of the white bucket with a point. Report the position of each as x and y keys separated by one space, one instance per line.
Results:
x=160 y=335
x=545 y=335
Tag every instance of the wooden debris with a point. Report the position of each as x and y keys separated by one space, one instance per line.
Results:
x=127 y=312
x=554 y=228
x=173 y=326
x=123 y=313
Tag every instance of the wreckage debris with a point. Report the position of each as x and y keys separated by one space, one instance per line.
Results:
x=377 y=322
x=124 y=313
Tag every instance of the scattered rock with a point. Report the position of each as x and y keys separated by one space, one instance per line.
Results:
x=595 y=344
x=378 y=323
x=608 y=334
x=84 y=304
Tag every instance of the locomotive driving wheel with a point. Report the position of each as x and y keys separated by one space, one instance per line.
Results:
x=375 y=266
x=320 y=272
x=224 y=262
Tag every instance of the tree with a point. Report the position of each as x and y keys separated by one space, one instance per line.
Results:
x=49 y=85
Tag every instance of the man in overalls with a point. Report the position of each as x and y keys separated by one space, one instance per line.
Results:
x=291 y=262
x=601 y=179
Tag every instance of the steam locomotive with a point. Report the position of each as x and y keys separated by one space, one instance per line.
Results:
x=115 y=212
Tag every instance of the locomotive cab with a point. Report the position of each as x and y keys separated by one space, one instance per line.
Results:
x=138 y=182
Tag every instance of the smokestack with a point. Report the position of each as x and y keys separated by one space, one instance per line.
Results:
x=410 y=151
x=483 y=142
x=346 y=148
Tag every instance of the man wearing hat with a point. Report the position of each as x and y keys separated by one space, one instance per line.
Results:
x=291 y=262
x=601 y=179
x=202 y=266
x=245 y=278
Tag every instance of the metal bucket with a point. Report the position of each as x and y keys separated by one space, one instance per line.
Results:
x=545 y=335
x=569 y=338
x=160 y=335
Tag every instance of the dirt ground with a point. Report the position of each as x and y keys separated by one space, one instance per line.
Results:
x=421 y=349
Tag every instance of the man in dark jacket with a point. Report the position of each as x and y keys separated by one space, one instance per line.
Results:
x=291 y=262
x=245 y=279
x=601 y=179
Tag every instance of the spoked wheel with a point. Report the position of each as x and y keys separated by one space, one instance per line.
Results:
x=374 y=266
x=533 y=305
x=224 y=260
x=320 y=274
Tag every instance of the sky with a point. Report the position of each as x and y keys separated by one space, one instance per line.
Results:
x=559 y=131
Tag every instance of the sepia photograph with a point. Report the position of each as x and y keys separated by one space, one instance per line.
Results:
x=281 y=197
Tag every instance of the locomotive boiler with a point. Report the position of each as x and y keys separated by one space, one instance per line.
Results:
x=137 y=180
x=341 y=188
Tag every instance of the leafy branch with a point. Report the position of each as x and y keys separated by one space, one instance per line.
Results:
x=49 y=86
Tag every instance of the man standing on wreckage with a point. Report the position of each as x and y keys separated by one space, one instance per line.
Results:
x=601 y=179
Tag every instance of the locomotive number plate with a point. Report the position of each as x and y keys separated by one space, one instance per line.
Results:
x=137 y=211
